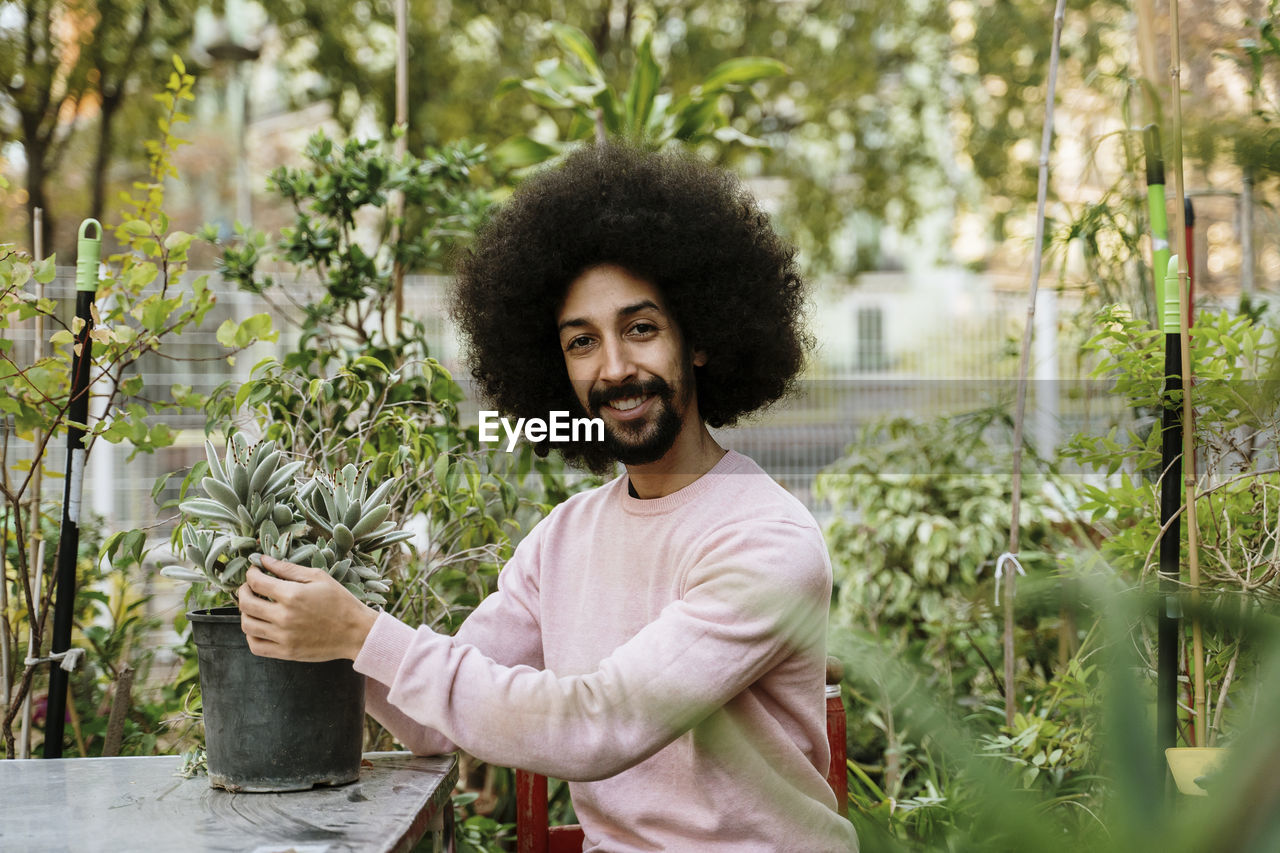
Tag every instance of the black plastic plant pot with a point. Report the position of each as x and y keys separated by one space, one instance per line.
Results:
x=273 y=725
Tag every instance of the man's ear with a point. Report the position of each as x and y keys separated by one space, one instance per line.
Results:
x=699 y=358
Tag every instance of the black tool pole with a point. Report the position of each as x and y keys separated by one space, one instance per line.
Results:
x=1170 y=624
x=1167 y=622
x=88 y=254
x=1189 y=214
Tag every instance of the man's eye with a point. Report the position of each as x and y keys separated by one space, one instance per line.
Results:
x=643 y=328
x=578 y=342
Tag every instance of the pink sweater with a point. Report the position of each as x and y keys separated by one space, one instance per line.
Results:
x=665 y=656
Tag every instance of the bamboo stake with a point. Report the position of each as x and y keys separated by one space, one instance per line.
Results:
x=6 y=694
x=1188 y=415
x=121 y=702
x=35 y=536
x=401 y=148
x=1042 y=191
x=24 y=738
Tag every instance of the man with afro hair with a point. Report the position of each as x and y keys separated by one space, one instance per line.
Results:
x=658 y=642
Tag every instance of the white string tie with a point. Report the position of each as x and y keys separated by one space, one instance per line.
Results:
x=68 y=660
x=1006 y=557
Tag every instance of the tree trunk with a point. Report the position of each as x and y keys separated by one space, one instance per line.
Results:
x=102 y=159
x=36 y=149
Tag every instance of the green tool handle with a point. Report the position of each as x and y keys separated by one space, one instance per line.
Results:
x=88 y=255
x=1156 y=210
x=1172 y=299
x=1159 y=238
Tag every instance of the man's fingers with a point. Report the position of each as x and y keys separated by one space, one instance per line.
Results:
x=254 y=626
x=266 y=648
x=288 y=571
x=265 y=586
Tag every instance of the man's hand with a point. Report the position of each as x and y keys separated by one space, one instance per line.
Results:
x=301 y=614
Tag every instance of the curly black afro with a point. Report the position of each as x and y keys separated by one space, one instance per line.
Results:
x=689 y=228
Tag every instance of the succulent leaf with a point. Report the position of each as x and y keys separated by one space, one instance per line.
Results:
x=369 y=523
x=262 y=473
x=215 y=464
x=365 y=572
x=240 y=481
x=220 y=492
x=379 y=496
x=258 y=453
x=383 y=540
x=208 y=510
x=277 y=484
x=342 y=538
x=281 y=516
x=349 y=474
x=317 y=519
x=182 y=573
x=352 y=516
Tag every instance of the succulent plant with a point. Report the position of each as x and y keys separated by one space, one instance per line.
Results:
x=350 y=528
x=254 y=505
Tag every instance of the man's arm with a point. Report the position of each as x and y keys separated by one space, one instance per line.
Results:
x=504 y=627
x=759 y=593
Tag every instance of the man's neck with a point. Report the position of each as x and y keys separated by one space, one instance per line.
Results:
x=694 y=453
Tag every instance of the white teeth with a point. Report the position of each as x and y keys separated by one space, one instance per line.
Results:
x=626 y=405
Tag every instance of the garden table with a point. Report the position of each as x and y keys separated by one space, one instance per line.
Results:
x=142 y=804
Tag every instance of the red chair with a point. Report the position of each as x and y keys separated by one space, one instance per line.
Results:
x=534 y=835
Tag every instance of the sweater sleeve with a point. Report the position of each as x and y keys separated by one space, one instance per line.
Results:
x=758 y=593
x=504 y=628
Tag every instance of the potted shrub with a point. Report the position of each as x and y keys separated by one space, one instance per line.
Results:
x=273 y=725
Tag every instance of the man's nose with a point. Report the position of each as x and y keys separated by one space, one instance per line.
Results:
x=617 y=366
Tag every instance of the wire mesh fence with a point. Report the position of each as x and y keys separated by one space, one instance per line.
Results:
x=858 y=378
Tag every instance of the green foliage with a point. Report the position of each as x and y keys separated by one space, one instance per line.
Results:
x=923 y=511
x=362 y=386
x=143 y=301
x=1249 y=141
x=575 y=83
x=111 y=626
x=922 y=507
x=444 y=203
x=1235 y=398
x=73 y=72
x=478 y=833
x=1004 y=791
x=1237 y=436
x=933 y=765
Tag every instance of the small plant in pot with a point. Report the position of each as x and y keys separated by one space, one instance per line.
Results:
x=274 y=725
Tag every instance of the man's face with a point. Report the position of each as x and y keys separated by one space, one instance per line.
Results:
x=628 y=362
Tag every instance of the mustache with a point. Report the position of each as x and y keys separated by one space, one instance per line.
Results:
x=653 y=386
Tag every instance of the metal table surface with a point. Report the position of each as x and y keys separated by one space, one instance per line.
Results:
x=123 y=805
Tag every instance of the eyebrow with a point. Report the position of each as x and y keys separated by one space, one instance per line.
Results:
x=627 y=311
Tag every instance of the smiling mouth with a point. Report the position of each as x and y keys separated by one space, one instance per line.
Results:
x=627 y=404
x=628 y=408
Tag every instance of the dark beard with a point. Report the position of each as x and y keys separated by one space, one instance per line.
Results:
x=642 y=442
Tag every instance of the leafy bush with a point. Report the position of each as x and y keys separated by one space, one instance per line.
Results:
x=143 y=302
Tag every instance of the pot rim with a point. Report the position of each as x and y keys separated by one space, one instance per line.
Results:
x=224 y=613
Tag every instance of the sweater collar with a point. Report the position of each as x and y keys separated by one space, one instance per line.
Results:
x=731 y=463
